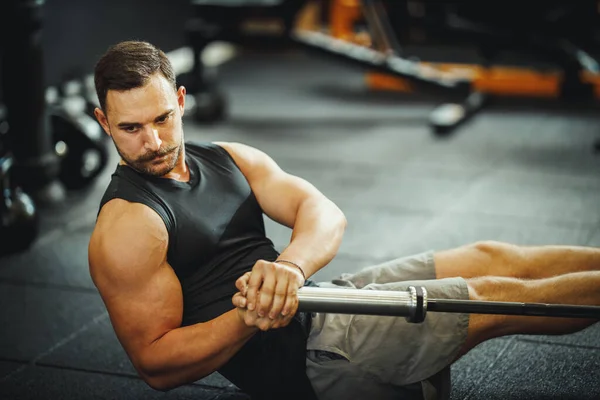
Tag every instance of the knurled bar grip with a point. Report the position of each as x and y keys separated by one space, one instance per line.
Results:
x=411 y=304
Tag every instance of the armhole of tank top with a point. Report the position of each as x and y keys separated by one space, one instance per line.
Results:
x=164 y=215
x=151 y=202
x=225 y=153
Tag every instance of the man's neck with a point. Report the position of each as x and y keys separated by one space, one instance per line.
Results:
x=181 y=172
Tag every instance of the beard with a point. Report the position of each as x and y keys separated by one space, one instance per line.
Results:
x=149 y=164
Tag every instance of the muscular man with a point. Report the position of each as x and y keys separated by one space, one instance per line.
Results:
x=192 y=284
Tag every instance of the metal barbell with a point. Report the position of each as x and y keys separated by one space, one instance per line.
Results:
x=413 y=304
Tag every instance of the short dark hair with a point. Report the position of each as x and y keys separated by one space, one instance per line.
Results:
x=129 y=65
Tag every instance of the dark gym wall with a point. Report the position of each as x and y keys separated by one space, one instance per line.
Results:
x=76 y=32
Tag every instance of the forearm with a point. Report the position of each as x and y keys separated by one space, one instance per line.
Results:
x=190 y=353
x=316 y=236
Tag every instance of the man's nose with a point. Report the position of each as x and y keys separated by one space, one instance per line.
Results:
x=153 y=141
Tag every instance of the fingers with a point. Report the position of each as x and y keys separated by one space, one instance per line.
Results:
x=280 y=295
x=291 y=302
x=242 y=283
x=282 y=322
x=251 y=318
x=265 y=295
x=239 y=300
x=264 y=324
x=270 y=290
x=254 y=284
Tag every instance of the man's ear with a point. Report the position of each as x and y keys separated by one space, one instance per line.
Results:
x=181 y=92
x=101 y=117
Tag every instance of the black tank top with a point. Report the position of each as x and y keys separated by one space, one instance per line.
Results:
x=216 y=234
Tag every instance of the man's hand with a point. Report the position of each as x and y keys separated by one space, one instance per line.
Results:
x=270 y=291
x=251 y=318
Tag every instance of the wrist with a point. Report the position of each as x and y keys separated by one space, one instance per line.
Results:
x=294 y=265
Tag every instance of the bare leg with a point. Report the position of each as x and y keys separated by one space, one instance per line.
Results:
x=579 y=288
x=503 y=259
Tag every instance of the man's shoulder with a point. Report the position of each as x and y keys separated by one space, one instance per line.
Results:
x=121 y=220
x=124 y=212
x=124 y=236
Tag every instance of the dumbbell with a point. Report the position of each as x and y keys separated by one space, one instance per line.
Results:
x=19 y=220
x=78 y=138
x=78 y=142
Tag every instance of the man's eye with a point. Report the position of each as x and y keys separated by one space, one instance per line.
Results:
x=164 y=119
x=131 y=129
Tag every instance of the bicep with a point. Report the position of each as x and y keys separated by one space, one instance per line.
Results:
x=279 y=193
x=144 y=311
x=141 y=292
x=282 y=194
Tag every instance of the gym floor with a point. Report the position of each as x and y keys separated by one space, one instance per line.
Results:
x=522 y=172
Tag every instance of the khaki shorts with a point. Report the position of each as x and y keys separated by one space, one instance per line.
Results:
x=373 y=357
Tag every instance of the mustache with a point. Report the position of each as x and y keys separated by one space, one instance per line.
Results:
x=161 y=152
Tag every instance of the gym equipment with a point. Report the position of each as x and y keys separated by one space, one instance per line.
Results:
x=381 y=52
x=3 y=124
x=76 y=92
x=414 y=304
x=421 y=76
x=224 y=20
x=207 y=104
x=80 y=146
x=214 y=22
x=78 y=138
x=36 y=165
x=18 y=215
x=541 y=32
x=560 y=66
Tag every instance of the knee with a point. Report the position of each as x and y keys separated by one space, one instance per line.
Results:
x=499 y=256
x=493 y=248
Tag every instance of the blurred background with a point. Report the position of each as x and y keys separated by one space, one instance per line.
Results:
x=431 y=124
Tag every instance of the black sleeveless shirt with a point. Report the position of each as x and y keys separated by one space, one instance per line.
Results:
x=216 y=234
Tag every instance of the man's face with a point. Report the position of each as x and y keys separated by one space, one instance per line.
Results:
x=145 y=125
